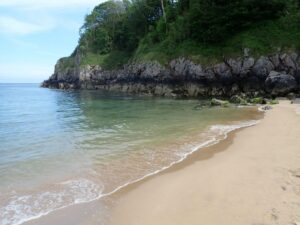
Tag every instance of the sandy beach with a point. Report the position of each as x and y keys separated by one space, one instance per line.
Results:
x=253 y=177
x=250 y=178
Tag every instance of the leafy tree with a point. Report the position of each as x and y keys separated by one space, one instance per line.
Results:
x=115 y=26
x=214 y=20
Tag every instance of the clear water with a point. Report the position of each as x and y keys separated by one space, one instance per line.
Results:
x=60 y=148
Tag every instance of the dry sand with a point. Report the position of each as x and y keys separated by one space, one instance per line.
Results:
x=255 y=181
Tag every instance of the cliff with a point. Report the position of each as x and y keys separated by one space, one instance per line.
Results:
x=186 y=48
x=273 y=75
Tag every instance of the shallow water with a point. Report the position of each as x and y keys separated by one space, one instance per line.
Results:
x=60 y=148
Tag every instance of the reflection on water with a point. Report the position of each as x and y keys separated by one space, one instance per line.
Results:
x=63 y=147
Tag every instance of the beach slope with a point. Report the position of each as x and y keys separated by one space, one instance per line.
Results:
x=252 y=178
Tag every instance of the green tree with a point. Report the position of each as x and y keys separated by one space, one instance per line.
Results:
x=215 y=20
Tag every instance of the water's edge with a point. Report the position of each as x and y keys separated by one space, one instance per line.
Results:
x=221 y=132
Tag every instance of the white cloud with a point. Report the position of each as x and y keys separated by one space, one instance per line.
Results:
x=32 y=16
x=37 y=4
x=12 y=25
x=51 y=18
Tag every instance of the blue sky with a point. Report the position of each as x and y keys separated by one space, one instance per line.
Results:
x=35 y=33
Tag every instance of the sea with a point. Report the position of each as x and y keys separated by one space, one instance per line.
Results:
x=60 y=148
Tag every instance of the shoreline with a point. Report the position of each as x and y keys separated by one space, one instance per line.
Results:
x=204 y=151
x=174 y=196
x=201 y=154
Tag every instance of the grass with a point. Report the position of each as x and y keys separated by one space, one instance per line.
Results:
x=113 y=60
x=93 y=59
x=65 y=63
x=262 y=39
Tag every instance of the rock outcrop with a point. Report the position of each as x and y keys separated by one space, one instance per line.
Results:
x=280 y=84
x=274 y=75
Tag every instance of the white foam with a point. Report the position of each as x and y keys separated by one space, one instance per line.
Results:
x=222 y=132
x=28 y=207
x=225 y=129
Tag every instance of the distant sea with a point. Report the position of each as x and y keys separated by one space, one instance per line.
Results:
x=61 y=148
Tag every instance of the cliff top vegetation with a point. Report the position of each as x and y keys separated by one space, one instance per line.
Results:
x=117 y=32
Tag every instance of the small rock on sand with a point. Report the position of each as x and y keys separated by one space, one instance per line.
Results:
x=296 y=173
x=265 y=108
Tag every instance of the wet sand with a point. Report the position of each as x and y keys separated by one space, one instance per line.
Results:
x=253 y=177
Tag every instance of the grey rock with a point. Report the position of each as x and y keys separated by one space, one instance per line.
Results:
x=218 y=102
x=288 y=63
x=186 y=69
x=182 y=77
x=262 y=67
x=279 y=84
x=223 y=73
x=209 y=75
x=246 y=66
x=275 y=59
x=180 y=67
x=152 y=70
x=296 y=59
x=265 y=108
x=235 y=65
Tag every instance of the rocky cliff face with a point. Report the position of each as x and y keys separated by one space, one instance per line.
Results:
x=274 y=75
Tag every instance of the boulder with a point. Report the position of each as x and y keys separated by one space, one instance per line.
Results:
x=262 y=68
x=235 y=65
x=182 y=77
x=180 y=67
x=246 y=66
x=185 y=69
x=218 y=102
x=279 y=84
x=152 y=71
x=288 y=63
x=296 y=59
x=265 y=108
x=275 y=59
x=223 y=73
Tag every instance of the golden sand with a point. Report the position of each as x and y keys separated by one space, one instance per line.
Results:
x=256 y=181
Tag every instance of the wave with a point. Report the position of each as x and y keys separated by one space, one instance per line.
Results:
x=21 y=209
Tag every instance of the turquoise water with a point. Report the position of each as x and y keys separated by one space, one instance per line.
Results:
x=60 y=148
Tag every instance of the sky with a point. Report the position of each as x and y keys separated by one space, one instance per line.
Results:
x=34 y=34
